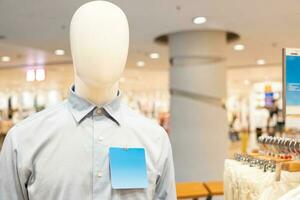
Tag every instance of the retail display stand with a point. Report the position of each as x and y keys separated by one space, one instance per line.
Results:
x=281 y=164
x=287 y=165
x=291 y=166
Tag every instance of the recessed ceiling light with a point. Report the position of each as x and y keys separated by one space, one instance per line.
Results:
x=5 y=58
x=140 y=63
x=199 y=20
x=154 y=55
x=59 y=52
x=239 y=47
x=246 y=82
x=261 y=62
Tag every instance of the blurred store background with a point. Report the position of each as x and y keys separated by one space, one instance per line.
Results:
x=36 y=70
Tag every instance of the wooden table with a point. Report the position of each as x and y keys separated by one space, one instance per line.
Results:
x=193 y=190
x=214 y=188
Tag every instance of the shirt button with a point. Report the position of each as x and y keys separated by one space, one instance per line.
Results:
x=99 y=174
x=100 y=139
x=99 y=111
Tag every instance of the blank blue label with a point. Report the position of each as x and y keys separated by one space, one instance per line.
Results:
x=128 y=168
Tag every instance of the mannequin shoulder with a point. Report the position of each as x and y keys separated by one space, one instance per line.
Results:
x=42 y=116
x=141 y=123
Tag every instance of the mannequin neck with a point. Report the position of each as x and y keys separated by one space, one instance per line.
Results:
x=96 y=95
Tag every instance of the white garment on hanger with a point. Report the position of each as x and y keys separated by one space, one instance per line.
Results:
x=292 y=194
x=288 y=181
x=242 y=182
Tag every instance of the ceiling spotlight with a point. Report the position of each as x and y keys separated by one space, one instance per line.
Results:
x=199 y=20
x=140 y=63
x=154 y=55
x=260 y=62
x=239 y=47
x=246 y=82
x=5 y=58
x=59 y=52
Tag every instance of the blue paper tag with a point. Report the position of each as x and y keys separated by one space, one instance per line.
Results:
x=128 y=168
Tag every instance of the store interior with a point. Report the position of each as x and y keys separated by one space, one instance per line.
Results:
x=36 y=72
x=145 y=90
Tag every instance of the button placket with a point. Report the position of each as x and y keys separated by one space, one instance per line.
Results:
x=101 y=169
x=101 y=154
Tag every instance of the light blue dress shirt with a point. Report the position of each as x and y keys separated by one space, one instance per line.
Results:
x=61 y=153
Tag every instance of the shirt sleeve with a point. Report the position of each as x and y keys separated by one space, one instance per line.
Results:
x=11 y=187
x=166 y=187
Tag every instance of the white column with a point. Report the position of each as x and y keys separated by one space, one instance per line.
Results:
x=199 y=128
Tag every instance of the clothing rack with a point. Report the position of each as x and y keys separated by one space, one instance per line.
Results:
x=285 y=151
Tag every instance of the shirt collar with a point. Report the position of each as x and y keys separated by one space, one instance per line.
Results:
x=81 y=107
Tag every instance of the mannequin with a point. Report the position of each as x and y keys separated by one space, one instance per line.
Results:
x=65 y=152
x=99 y=37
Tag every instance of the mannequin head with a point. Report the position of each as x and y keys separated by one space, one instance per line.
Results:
x=99 y=37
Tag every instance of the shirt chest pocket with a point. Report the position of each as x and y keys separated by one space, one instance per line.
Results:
x=146 y=193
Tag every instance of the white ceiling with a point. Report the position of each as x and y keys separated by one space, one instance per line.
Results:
x=34 y=29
